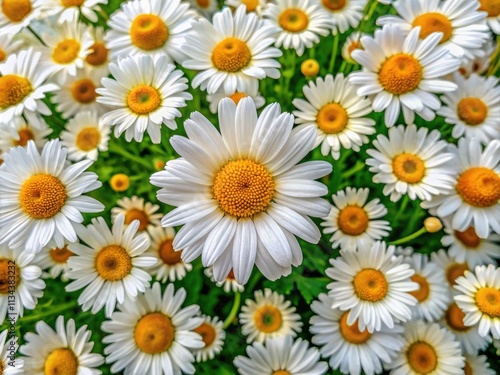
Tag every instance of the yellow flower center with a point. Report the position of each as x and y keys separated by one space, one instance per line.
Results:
x=370 y=285
x=408 y=168
x=231 y=55
x=5 y=267
x=66 y=51
x=3 y=55
x=99 y=56
x=334 y=5
x=472 y=111
x=454 y=271
x=267 y=319
x=207 y=333
x=88 y=138
x=353 y=46
x=488 y=301
x=250 y=4
x=243 y=188
x=42 y=196
x=237 y=96
x=455 y=318
x=72 y=3
x=230 y=275
x=490 y=6
x=168 y=254
x=332 y=118
x=143 y=99
x=468 y=238
x=119 y=182
x=25 y=135
x=351 y=333
x=400 y=74
x=154 y=333
x=83 y=91
x=135 y=214
x=13 y=89
x=479 y=187
x=467 y=369
x=422 y=293
x=433 y=22
x=203 y=3
x=61 y=361
x=353 y=220
x=113 y=263
x=309 y=68
x=60 y=255
x=16 y=10
x=422 y=357
x=148 y=32
x=281 y=372
x=293 y=20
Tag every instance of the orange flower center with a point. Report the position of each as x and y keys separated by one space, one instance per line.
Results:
x=455 y=318
x=231 y=55
x=237 y=96
x=16 y=10
x=488 y=301
x=268 y=319
x=400 y=74
x=25 y=135
x=13 y=89
x=370 y=285
x=88 y=138
x=334 y=5
x=454 y=271
x=433 y=22
x=353 y=46
x=281 y=372
x=60 y=255
x=135 y=214
x=293 y=20
x=353 y=220
x=148 y=32
x=203 y=3
x=143 y=99
x=62 y=361
x=72 y=3
x=7 y=269
x=207 y=333
x=490 y=6
x=168 y=254
x=119 y=182
x=113 y=263
x=332 y=118
x=479 y=187
x=422 y=293
x=408 y=168
x=99 y=56
x=42 y=196
x=66 y=51
x=351 y=333
x=472 y=111
x=83 y=91
x=250 y=4
x=467 y=369
x=3 y=55
x=468 y=238
x=154 y=333
x=422 y=357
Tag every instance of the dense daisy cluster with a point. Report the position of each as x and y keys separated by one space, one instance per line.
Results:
x=262 y=187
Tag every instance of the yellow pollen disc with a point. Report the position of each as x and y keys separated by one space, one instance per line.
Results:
x=490 y=6
x=143 y=99
x=207 y=333
x=354 y=45
x=13 y=89
x=422 y=293
x=267 y=319
x=293 y=20
x=433 y=22
x=231 y=55
x=332 y=118
x=168 y=254
x=467 y=369
x=154 y=333
x=455 y=318
x=16 y=10
x=42 y=196
x=400 y=74
x=334 y=5
x=99 y=56
x=72 y=3
x=148 y=32
x=250 y=4
x=472 y=111
x=243 y=188
x=353 y=220
x=408 y=168
x=454 y=271
x=61 y=362
x=468 y=238
x=25 y=135
x=237 y=96
x=83 y=91
x=309 y=68
x=3 y=55
x=66 y=51
x=203 y=3
x=281 y=372
x=422 y=357
x=351 y=333
x=60 y=255
x=479 y=187
x=113 y=263
x=135 y=214
x=230 y=275
x=5 y=267
x=88 y=138
x=370 y=285
x=488 y=301
x=119 y=182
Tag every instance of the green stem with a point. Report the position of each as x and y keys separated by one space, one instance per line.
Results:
x=234 y=310
x=117 y=150
x=342 y=67
x=36 y=35
x=366 y=18
x=495 y=68
x=409 y=237
x=103 y=14
x=335 y=47
x=401 y=208
x=357 y=167
x=67 y=306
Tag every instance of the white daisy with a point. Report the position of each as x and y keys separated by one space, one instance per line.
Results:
x=134 y=208
x=403 y=72
x=234 y=52
x=411 y=161
x=204 y=8
x=474 y=108
x=462 y=27
x=63 y=351
x=55 y=259
x=336 y=113
x=213 y=336
x=153 y=335
x=9 y=346
x=268 y=316
x=147 y=92
x=42 y=197
x=477 y=365
x=351 y=220
x=373 y=285
x=452 y=268
x=345 y=14
x=98 y=60
x=281 y=356
x=492 y=8
x=229 y=284
x=475 y=198
x=70 y=10
x=17 y=14
x=111 y=266
x=18 y=133
x=352 y=43
x=428 y=349
x=300 y=23
x=214 y=99
x=478 y=65
x=257 y=6
x=8 y=45
x=149 y=27
x=479 y=299
x=240 y=195
x=348 y=348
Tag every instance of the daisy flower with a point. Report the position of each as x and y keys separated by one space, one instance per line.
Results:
x=135 y=209
x=27 y=286
x=17 y=14
x=63 y=351
x=55 y=259
x=228 y=284
x=403 y=72
x=84 y=136
x=149 y=27
x=492 y=8
x=348 y=348
x=22 y=86
x=478 y=65
x=214 y=99
x=239 y=194
x=352 y=43
x=170 y=266
x=204 y=8
x=257 y=6
x=373 y=285
x=268 y=316
x=70 y=10
x=146 y=93
x=428 y=349
x=18 y=132
x=474 y=199
x=153 y=334
x=119 y=182
x=111 y=266
x=336 y=113
x=462 y=27
x=213 y=336
x=477 y=364
x=8 y=45
x=479 y=299
x=281 y=356
x=43 y=198
x=345 y=14
x=351 y=220
x=452 y=268
x=97 y=61
x=234 y=52
x=474 y=108
x=6 y=360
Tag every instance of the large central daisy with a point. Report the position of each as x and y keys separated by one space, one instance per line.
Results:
x=240 y=195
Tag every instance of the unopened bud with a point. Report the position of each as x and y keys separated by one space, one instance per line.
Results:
x=433 y=224
x=310 y=68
